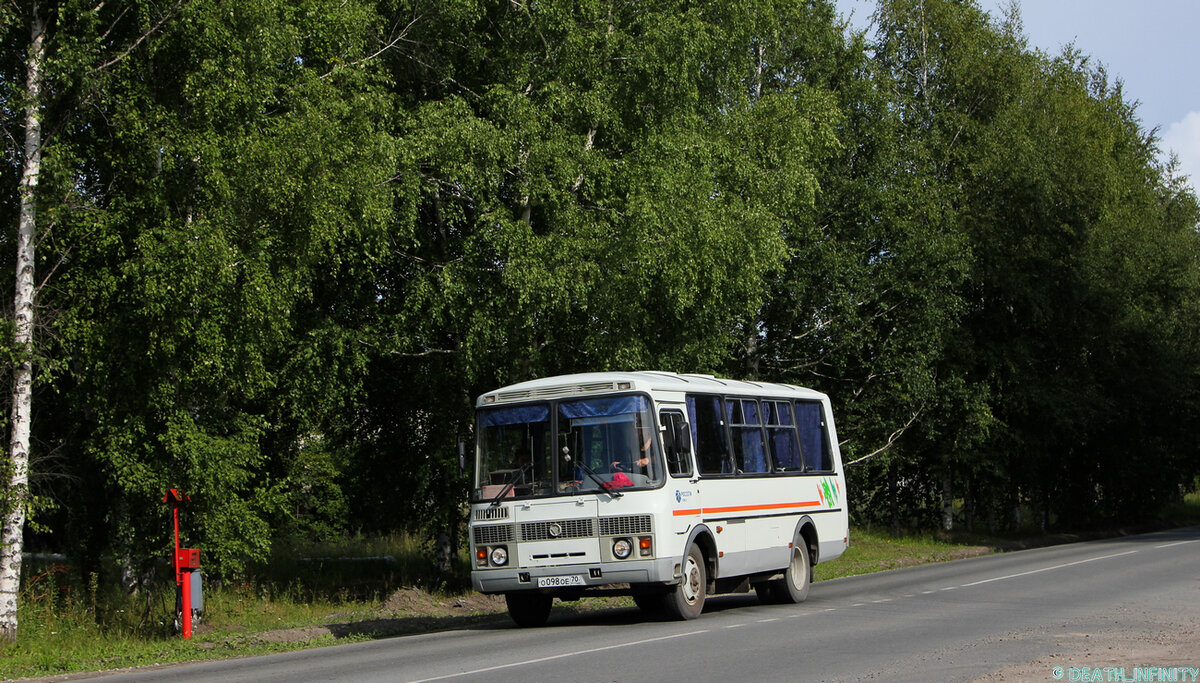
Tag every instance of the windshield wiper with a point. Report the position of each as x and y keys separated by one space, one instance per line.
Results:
x=511 y=482
x=605 y=486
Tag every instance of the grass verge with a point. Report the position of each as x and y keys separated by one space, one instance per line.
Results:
x=873 y=550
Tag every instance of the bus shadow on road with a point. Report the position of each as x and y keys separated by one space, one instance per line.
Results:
x=625 y=616
x=562 y=617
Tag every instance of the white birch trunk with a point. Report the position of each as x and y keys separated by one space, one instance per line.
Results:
x=12 y=535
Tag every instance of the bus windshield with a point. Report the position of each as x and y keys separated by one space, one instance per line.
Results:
x=602 y=444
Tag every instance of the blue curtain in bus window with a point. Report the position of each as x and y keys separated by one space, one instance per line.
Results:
x=733 y=409
x=708 y=434
x=498 y=417
x=812 y=436
x=750 y=412
x=748 y=443
x=783 y=437
x=604 y=407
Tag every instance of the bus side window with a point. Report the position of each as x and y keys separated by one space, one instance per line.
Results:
x=745 y=425
x=781 y=432
x=708 y=434
x=813 y=441
x=677 y=451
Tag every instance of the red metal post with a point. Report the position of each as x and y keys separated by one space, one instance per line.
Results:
x=187 y=604
x=184 y=565
x=175 y=511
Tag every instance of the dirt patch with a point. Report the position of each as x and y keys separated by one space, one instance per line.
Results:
x=410 y=601
x=1129 y=637
x=407 y=610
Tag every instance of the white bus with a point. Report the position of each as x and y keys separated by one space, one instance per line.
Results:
x=663 y=486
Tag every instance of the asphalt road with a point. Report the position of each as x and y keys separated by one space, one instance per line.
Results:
x=952 y=621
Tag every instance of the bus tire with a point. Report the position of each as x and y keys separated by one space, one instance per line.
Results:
x=528 y=608
x=793 y=587
x=686 y=600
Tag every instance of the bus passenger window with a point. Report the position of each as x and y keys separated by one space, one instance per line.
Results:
x=748 y=447
x=781 y=433
x=708 y=434
x=813 y=441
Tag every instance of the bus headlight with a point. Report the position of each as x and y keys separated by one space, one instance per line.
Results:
x=499 y=556
x=621 y=548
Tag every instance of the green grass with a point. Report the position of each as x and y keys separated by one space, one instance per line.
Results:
x=874 y=551
x=1185 y=512
x=65 y=630
x=67 y=627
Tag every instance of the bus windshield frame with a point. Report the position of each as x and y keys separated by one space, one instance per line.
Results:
x=600 y=444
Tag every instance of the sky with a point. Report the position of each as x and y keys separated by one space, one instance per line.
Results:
x=1150 y=45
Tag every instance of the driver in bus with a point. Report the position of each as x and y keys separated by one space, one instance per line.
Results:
x=642 y=462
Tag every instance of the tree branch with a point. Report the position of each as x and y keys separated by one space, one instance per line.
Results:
x=166 y=16
x=891 y=439
x=399 y=37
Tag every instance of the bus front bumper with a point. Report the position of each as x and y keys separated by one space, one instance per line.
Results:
x=575 y=577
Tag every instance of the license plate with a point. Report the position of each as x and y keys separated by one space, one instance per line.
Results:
x=556 y=581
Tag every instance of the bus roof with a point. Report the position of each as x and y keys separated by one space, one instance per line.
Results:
x=564 y=386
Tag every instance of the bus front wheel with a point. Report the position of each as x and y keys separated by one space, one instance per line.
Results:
x=686 y=600
x=528 y=608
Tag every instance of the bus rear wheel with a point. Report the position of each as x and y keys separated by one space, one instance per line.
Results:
x=528 y=608
x=793 y=587
x=686 y=600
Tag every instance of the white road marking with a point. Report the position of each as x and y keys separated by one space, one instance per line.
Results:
x=561 y=656
x=1168 y=545
x=1046 y=569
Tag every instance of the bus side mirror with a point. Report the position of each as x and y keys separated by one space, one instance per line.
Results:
x=683 y=438
x=462 y=456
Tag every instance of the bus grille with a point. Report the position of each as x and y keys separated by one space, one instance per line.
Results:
x=631 y=524
x=566 y=528
x=558 y=391
x=493 y=533
x=488 y=514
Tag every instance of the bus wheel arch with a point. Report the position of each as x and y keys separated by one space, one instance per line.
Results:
x=798 y=574
x=702 y=538
x=806 y=531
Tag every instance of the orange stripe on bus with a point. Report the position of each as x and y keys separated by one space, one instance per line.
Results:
x=748 y=508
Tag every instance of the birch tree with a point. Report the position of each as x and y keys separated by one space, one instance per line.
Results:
x=15 y=497
x=84 y=46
